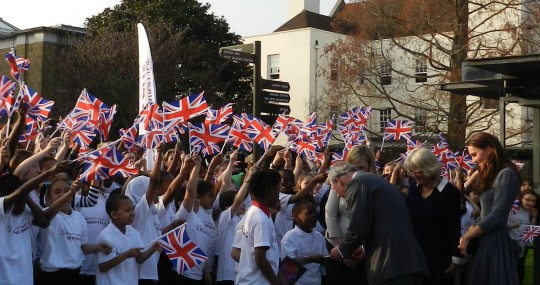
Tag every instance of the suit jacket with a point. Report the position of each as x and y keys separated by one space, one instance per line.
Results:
x=379 y=219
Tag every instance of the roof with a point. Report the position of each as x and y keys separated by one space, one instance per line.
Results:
x=307 y=19
x=498 y=77
x=6 y=27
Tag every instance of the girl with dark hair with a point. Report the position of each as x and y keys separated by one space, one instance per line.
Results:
x=493 y=262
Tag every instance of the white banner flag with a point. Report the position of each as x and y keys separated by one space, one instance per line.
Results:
x=147 y=85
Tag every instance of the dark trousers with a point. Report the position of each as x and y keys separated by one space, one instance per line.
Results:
x=409 y=279
x=62 y=276
x=87 y=279
x=225 y=282
x=166 y=274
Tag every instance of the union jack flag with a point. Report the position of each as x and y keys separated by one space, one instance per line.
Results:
x=106 y=117
x=38 y=108
x=465 y=161
x=208 y=137
x=262 y=133
x=243 y=119
x=90 y=105
x=239 y=138
x=31 y=130
x=448 y=160
x=350 y=137
x=82 y=135
x=356 y=118
x=304 y=148
x=17 y=64
x=412 y=144
x=7 y=87
x=397 y=130
x=95 y=166
x=309 y=127
x=338 y=156
x=129 y=136
x=529 y=233
x=220 y=115
x=184 y=109
x=515 y=207
x=183 y=253
x=152 y=138
x=117 y=163
x=289 y=125
x=10 y=104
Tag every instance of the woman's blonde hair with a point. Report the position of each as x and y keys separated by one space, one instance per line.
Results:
x=423 y=160
x=359 y=152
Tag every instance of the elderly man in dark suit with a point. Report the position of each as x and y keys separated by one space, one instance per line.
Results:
x=379 y=230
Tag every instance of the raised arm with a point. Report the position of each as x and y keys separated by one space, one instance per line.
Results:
x=326 y=161
x=182 y=177
x=304 y=192
x=4 y=154
x=18 y=129
x=155 y=175
x=216 y=161
x=173 y=167
x=66 y=143
x=298 y=165
x=34 y=159
x=20 y=194
x=241 y=194
x=191 y=188
x=227 y=174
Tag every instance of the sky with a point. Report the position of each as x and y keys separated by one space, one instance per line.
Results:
x=245 y=17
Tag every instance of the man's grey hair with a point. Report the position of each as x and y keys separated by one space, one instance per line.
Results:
x=340 y=169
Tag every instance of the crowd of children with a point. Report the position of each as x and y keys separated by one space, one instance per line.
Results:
x=246 y=216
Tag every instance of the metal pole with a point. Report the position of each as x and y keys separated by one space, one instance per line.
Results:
x=257 y=99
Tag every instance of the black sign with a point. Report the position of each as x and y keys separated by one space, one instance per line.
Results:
x=236 y=55
x=275 y=85
x=275 y=108
x=269 y=96
x=269 y=119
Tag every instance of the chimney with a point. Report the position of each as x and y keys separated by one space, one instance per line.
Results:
x=296 y=6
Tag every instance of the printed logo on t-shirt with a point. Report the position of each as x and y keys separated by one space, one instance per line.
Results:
x=19 y=229
x=71 y=236
x=94 y=221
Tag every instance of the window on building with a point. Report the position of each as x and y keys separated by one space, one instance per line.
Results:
x=273 y=66
x=420 y=120
x=384 y=116
x=334 y=65
x=489 y=103
x=385 y=69
x=420 y=70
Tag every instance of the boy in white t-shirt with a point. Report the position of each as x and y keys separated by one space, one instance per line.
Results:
x=259 y=253
x=65 y=242
x=15 y=220
x=121 y=265
x=305 y=245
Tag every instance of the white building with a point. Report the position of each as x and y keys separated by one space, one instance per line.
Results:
x=295 y=53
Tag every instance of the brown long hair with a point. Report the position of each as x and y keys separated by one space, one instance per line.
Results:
x=497 y=159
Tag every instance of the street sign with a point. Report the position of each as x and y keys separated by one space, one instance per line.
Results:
x=236 y=55
x=275 y=85
x=275 y=109
x=247 y=48
x=270 y=96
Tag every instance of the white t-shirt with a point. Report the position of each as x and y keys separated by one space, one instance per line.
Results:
x=147 y=223
x=226 y=233
x=284 y=219
x=196 y=233
x=298 y=244
x=211 y=233
x=97 y=219
x=16 y=250
x=165 y=213
x=257 y=231
x=61 y=242
x=127 y=271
